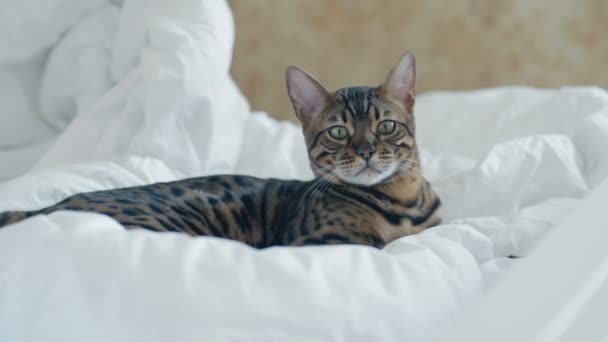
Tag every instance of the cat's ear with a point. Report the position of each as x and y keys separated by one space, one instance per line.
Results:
x=400 y=86
x=307 y=95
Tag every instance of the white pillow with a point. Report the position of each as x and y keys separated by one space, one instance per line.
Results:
x=30 y=26
x=24 y=136
x=78 y=69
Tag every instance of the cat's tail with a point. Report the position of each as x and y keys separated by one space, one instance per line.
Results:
x=9 y=217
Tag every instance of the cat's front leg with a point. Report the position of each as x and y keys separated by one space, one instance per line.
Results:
x=339 y=238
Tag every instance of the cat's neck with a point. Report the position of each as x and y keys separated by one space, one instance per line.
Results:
x=402 y=189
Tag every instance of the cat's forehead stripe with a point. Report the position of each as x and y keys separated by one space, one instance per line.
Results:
x=359 y=101
x=344 y=116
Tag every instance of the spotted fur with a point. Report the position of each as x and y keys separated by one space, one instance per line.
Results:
x=368 y=187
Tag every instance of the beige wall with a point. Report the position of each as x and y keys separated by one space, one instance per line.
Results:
x=459 y=44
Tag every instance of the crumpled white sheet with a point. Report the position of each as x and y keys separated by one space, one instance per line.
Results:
x=100 y=284
x=157 y=104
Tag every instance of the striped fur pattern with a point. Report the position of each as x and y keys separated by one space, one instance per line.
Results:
x=368 y=187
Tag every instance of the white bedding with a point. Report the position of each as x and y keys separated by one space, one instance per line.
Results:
x=145 y=96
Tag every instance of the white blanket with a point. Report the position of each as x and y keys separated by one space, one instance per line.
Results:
x=142 y=94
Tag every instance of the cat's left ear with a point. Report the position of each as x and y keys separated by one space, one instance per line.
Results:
x=400 y=86
x=307 y=95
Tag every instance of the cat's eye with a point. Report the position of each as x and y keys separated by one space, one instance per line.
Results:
x=338 y=132
x=386 y=127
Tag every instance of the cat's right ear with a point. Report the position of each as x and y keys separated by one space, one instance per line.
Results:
x=307 y=95
x=400 y=85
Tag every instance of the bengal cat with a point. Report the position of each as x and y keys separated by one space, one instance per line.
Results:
x=368 y=188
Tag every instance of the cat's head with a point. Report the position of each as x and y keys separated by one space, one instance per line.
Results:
x=359 y=135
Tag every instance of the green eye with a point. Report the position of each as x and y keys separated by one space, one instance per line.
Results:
x=386 y=127
x=338 y=132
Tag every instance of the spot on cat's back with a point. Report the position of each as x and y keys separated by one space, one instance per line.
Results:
x=177 y=191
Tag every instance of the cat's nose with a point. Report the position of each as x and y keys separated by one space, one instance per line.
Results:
x=366 y=152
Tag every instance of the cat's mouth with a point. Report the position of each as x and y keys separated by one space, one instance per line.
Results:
x=368 y=171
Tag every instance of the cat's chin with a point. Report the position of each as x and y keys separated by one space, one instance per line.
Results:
x=367 y=177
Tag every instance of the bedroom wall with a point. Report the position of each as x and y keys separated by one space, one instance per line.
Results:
x=460 y=44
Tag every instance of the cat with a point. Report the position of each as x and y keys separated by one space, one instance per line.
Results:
x=368 y=188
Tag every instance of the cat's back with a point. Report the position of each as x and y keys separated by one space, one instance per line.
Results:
x=224 y=188
x=231 y=206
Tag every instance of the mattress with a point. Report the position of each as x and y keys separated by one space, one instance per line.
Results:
x=155 y=102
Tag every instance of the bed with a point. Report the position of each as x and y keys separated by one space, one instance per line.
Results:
x=123 y=94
